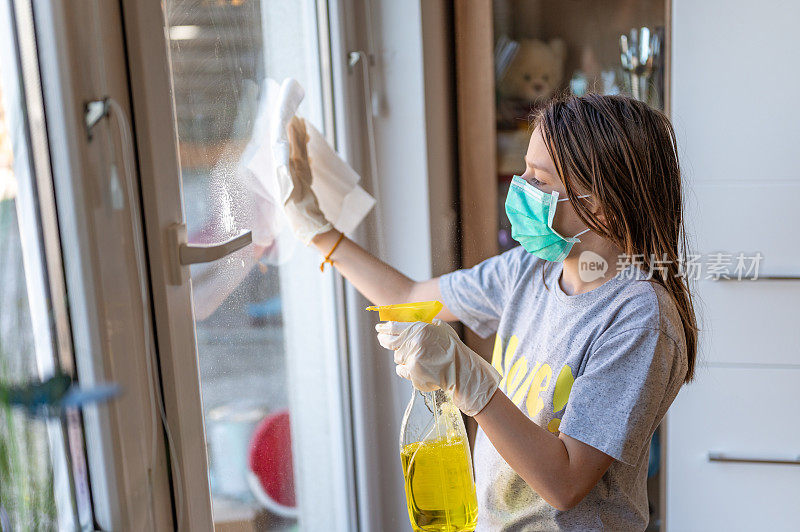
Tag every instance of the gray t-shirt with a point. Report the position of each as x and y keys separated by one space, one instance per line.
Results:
x=602 y=367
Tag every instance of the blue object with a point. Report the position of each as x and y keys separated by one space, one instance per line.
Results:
x=269 y=308
x=77 y=396
x=578 y=84
x=49 y=397
x=654 y=461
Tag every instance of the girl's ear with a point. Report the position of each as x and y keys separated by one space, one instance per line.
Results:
x=597 y=209
x=601 y=217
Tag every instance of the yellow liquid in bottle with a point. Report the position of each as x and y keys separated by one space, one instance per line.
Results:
x=440 y=492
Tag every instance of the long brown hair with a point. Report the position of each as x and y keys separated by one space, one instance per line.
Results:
x=624 y=153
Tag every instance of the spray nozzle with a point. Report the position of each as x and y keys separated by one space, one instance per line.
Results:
x=420 y=311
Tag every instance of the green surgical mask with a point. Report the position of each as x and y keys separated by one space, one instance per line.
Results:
x=531 y=214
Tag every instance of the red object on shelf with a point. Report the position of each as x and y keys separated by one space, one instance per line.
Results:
x=270 y=458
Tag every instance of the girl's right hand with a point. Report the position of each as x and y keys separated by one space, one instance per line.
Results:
x=432 y=356
x=294 y=180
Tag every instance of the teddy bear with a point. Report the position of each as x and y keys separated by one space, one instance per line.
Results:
x=532 y=76
x=535 y=71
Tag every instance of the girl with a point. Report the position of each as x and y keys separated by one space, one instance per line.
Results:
x=595 y=327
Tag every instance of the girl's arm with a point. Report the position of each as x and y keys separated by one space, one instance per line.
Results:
x=377 y=281
x=561 y=469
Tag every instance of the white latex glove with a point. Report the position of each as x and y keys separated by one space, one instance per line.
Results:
x=432 y=356
x=294 y=180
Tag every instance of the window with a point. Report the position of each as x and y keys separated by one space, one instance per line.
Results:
x=246 y=344
x=265 y=329
x=43 y=481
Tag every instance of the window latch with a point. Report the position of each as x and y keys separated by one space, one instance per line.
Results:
x=184 y=254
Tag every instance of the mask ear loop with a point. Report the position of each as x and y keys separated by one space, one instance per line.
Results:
x=576 y=197
x=585 y=230
x=579 y=234
x=574 y=239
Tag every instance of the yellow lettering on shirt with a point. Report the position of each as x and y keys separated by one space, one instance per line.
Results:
x=523 y=388
x=564 y=383
x=518 y=380
x=500 y=362
x=515 y=375
x=541 y=381
x=497 y=354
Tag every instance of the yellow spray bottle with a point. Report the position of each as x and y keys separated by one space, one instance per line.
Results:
x=437 y=465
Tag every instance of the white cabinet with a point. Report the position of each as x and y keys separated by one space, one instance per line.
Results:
x=749 y=322
x=738 y=143
x=757 y=216
x=733 y=88
x=743 y=412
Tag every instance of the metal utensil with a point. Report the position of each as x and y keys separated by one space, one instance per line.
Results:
x=638 y=54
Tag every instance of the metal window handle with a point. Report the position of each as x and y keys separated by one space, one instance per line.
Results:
x=723 y=457
x=198 y=253
x=183 y=253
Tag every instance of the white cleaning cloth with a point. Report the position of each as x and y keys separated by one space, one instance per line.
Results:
x=245 y=193
x=335 y=184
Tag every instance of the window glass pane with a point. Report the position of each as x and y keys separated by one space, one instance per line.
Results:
x=222 y=53
x=26 y=470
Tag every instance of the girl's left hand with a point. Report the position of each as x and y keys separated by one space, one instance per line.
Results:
x=432 y=356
